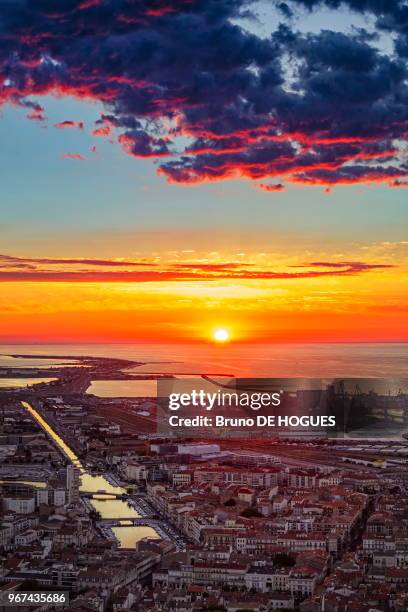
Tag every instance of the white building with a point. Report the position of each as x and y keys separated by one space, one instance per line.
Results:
x=136 y=471
x=50 y=496
x=182 y=478
x=23 y=503
x=267 y=579
x=6 y=535
x=73 y=482
x=372 y=543
x=300 y=542
x=26 y=537
x=302 y=581
x=198 y=450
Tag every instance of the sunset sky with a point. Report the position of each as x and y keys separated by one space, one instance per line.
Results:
x=170 y=167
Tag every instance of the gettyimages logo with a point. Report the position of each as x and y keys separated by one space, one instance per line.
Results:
x=244 y=407
x=224 y=399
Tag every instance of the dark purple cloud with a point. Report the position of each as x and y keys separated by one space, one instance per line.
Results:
x=183 y=83
x=20 y=269
x=271 y=186
x=349 y=266
x=68 y=124
x=60 y=261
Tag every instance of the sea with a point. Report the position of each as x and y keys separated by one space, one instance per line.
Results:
x=348 y=360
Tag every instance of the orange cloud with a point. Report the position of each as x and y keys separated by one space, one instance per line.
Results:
x=32 y=269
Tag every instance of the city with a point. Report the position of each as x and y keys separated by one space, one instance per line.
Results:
x=95 y=502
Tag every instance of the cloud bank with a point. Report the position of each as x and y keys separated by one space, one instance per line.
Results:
x=14 y=269
x=184 y=84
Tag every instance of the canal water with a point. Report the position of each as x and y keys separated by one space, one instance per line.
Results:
x=130 y=536
x=123 y=388
x=19 y=383
x=108 y=507
x=8 y=361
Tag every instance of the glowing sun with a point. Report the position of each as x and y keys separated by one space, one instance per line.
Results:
x=221 y=335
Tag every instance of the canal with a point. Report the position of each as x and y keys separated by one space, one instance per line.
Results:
x=108 y=507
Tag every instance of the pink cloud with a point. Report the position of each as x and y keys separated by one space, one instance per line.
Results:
x=76 y=156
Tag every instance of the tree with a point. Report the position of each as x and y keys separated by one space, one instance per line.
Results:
x=251 y=513
x=30 y=585
x=230 y=502
x=284 y=560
